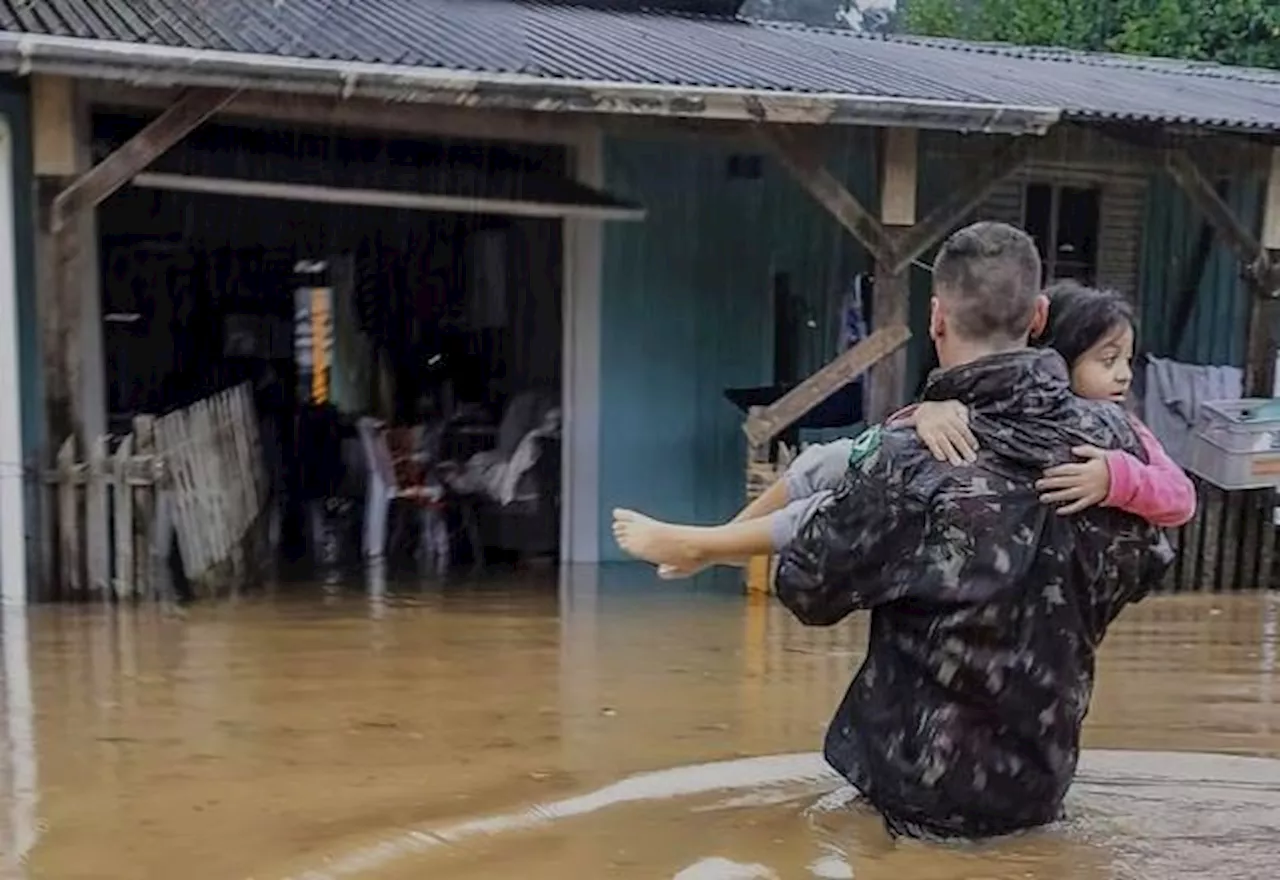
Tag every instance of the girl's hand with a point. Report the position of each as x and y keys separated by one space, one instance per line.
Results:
x=943 y=425
x=1079 y=485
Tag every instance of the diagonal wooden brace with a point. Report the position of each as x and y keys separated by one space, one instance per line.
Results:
x=806 y=166
x=765 y=423
x=94 y=186
x=1242 y=242
x=913 y=242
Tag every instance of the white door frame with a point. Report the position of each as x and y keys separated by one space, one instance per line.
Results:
x=13 y=520
x=580 y=367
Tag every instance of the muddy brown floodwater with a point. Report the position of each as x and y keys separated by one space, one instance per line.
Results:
x=602 y=725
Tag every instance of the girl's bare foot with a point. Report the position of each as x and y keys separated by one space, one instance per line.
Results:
x=654 y=541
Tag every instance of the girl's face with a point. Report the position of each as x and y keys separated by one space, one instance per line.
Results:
x=1104 y=372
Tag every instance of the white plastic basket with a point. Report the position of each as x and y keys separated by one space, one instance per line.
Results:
x=1236 y=444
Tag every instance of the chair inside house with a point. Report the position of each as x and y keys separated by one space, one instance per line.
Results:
x=397 y=475
x=514 y=486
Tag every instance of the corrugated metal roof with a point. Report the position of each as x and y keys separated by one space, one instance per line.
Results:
x=566 y=41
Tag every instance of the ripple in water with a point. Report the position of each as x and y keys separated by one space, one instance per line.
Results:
x=1131 y=816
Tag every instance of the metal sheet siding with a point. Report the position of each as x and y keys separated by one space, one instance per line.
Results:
x=564 y=40
x=1218 y=320
x=687 y=311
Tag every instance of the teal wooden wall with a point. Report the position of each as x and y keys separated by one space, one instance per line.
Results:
x=1219 y=318
x=15 y=107
x=686 y=306
x=686 y=311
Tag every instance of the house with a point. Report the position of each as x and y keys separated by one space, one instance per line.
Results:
x=690 y=173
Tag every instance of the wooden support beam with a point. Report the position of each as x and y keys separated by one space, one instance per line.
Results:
x=891 y=293
x=765 y=423
x=53 y=130
x=1184 y=171
x=898 y=183
x=1264 y=311
x=95 y=185
x=1271 y=210
x=805 y=163
x=960 y=203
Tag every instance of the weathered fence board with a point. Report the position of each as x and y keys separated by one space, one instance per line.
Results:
x=145 y=513
x=122 y=521
x=195 y=472
x=1229 y=546
x=68 y=518
x=96 y=519
x=212 y=452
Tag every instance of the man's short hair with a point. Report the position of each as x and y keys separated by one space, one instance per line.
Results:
x=988 y=274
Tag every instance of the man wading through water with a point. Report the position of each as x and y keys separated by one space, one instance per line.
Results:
x=986 y=606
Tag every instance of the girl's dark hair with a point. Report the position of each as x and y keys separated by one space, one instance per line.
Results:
x=1080 y=316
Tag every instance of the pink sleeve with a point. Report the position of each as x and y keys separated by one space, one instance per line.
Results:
x=1159 y=491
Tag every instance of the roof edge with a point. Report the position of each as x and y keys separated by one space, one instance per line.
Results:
x=150 y=65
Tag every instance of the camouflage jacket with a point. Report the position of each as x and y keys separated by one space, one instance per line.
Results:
x=986 y=606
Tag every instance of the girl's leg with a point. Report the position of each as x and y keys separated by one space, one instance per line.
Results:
x=819 y=468
x=686 y=548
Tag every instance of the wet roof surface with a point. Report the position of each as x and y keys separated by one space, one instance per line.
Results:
x=586 y=42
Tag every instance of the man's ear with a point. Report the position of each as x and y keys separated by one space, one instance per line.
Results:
x=1039 y=317
x=937 y=322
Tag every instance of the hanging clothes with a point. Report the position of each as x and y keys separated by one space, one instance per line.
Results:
x=853 y=328
x=1174 y=394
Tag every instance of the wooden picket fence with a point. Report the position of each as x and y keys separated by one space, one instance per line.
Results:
x=196 y=472
x=1230 y=546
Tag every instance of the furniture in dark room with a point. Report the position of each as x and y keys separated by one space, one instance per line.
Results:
x=527 y=524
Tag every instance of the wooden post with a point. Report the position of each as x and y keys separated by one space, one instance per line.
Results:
x=1264 y=316
x=68 y=520
x=1271 y=211
x=122 y=505
x=761 y=474
x=55 y=130
x=98 y=549
x=1264 y=309
x=891 y=297
x=69 y=299
x=758 y=580
x=144 y=444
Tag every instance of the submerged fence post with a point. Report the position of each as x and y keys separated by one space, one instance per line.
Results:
x=68 y=518
x=122 y=498
x=144 y=444
x=96 y=518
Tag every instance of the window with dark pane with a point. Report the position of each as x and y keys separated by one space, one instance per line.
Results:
x=1064 y=222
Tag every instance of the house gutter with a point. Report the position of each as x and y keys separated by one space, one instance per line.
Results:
x=146 y=65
